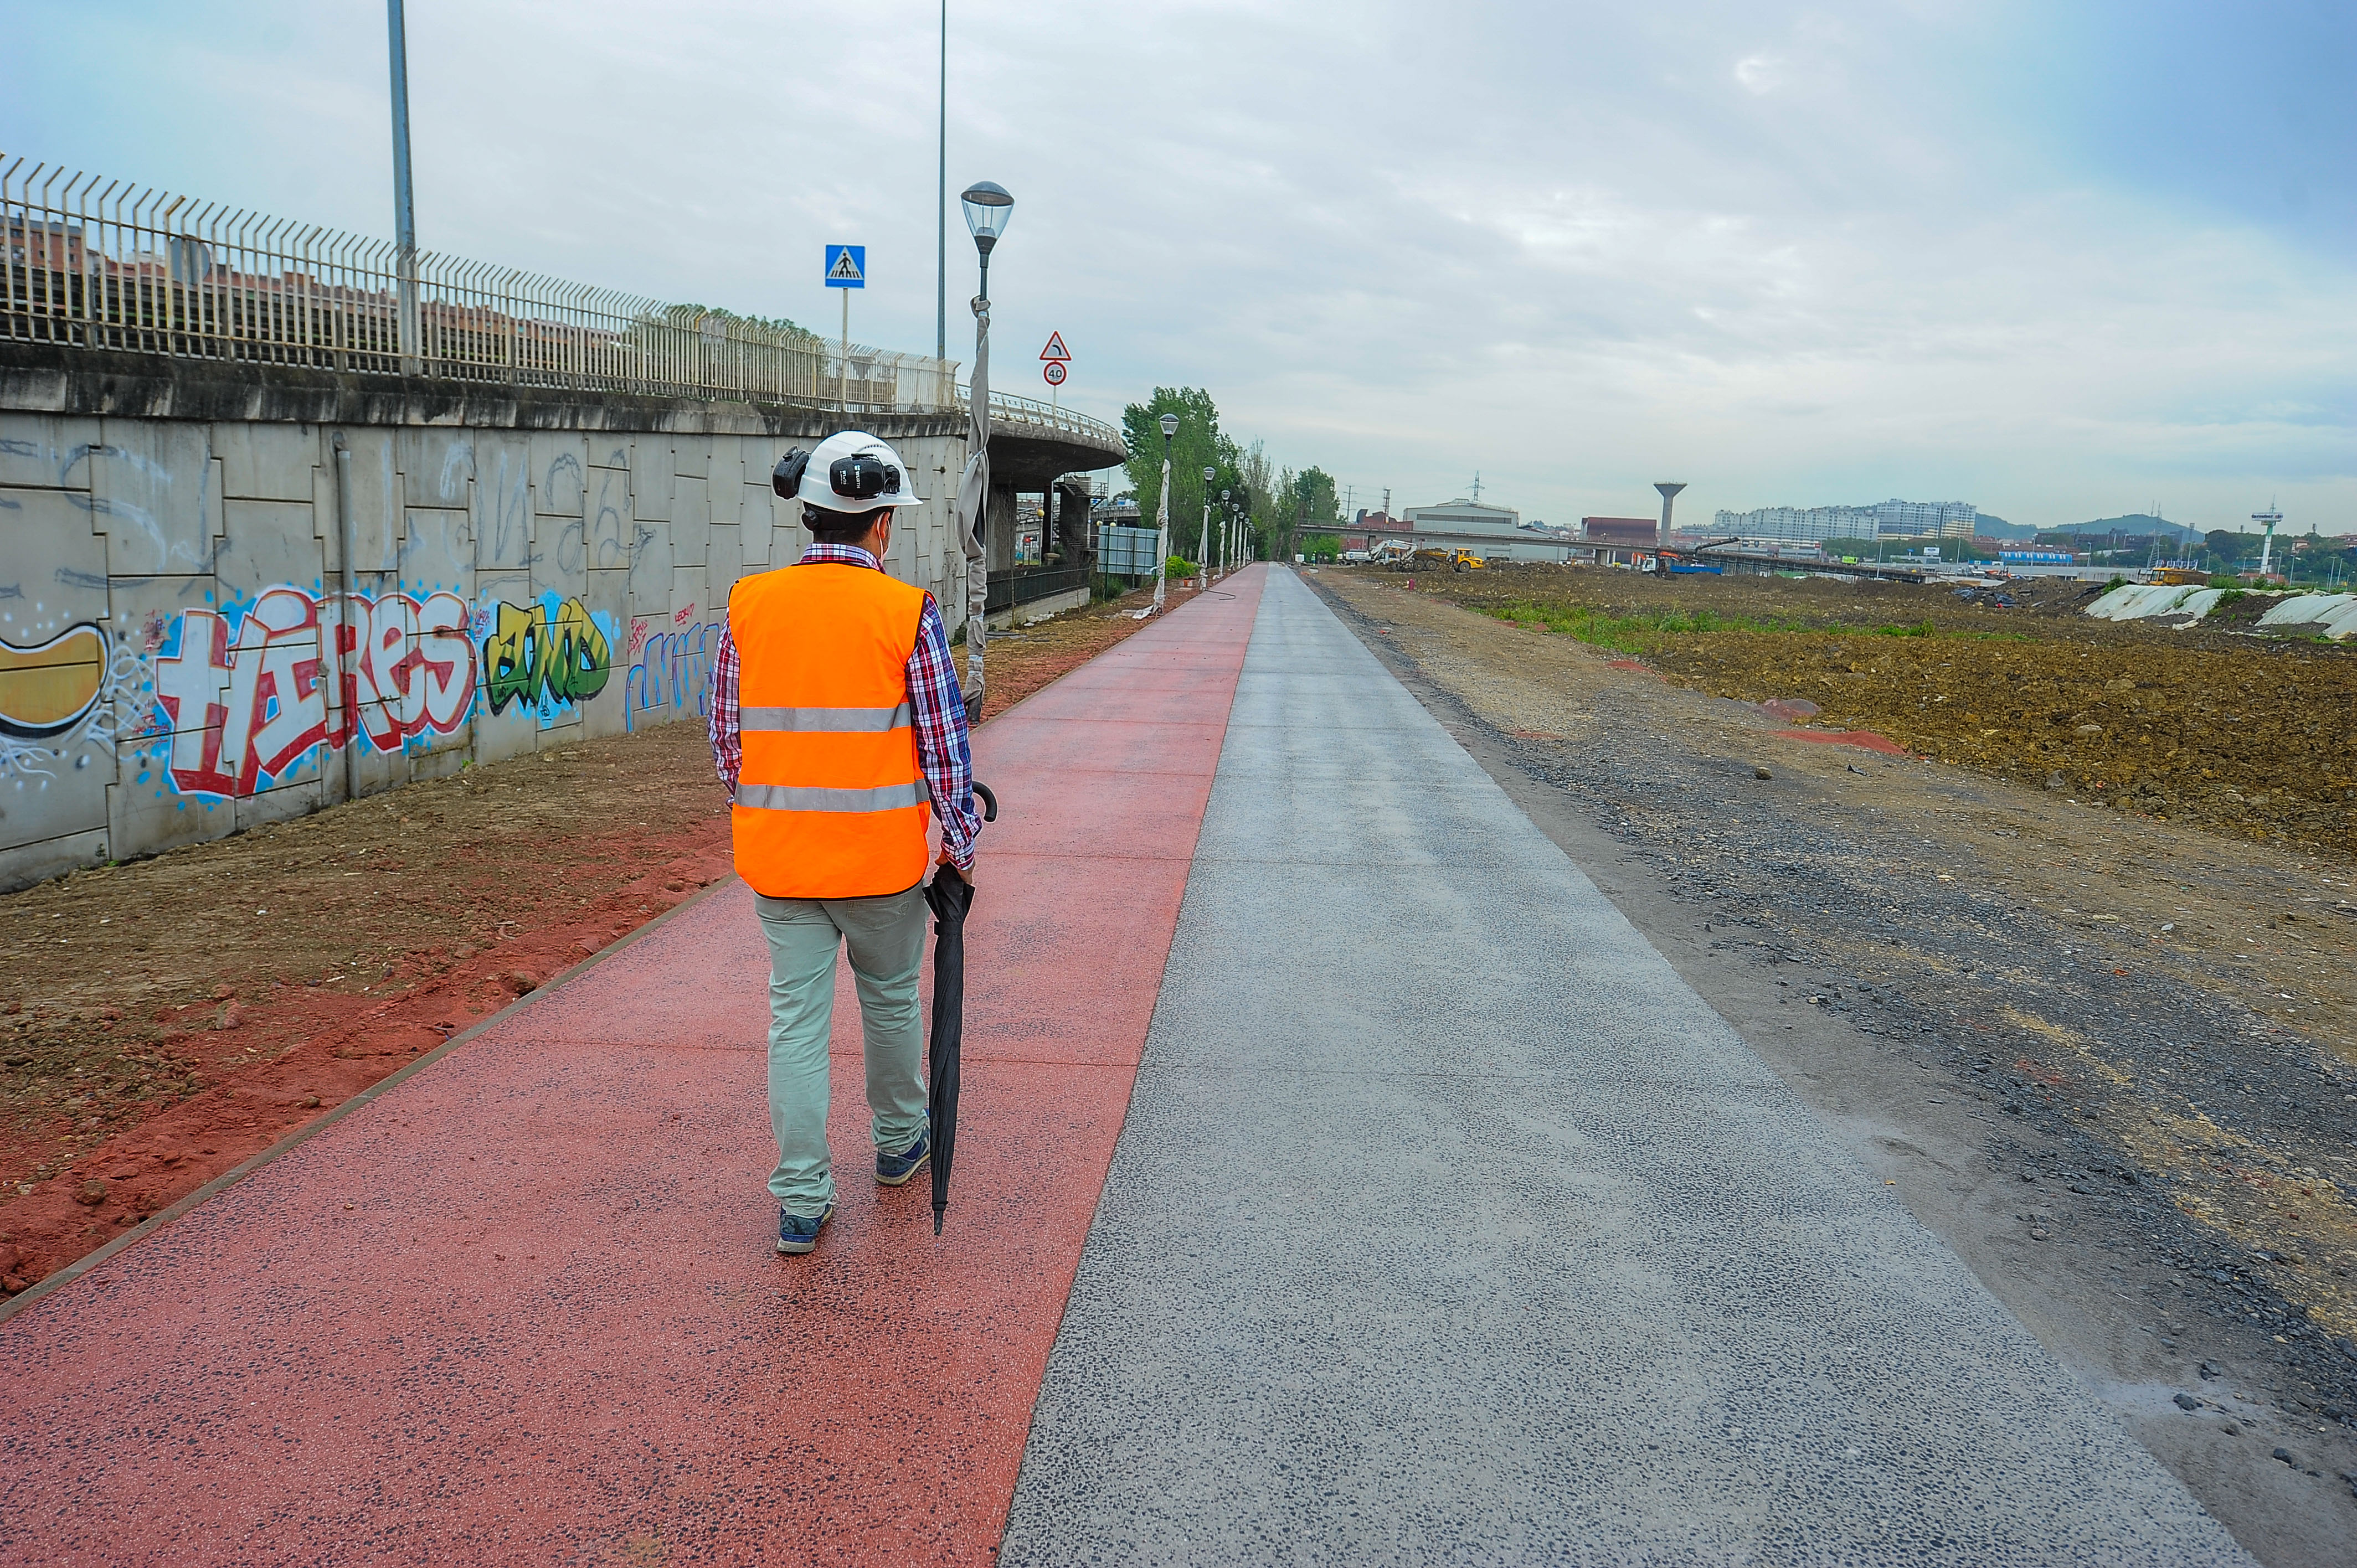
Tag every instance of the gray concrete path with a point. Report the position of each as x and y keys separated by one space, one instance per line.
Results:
x=1449 y=1226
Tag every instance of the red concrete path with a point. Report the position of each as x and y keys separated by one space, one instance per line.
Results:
x=523 y=1308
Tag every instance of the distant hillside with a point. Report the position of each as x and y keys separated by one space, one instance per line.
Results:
x=2134 y=522
x=1989 y=527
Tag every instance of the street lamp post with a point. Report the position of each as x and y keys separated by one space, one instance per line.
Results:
x=987 y=207
x=1162 y=513
x=1227 y=535
x=1203 y=540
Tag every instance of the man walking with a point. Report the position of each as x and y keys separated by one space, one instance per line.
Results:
x=837 y=722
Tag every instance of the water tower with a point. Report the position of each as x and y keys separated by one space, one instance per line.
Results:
x=1669 y=497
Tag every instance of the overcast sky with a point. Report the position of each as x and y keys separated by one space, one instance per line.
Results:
x=2059 y=261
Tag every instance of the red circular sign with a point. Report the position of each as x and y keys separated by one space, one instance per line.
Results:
x=1054 y=370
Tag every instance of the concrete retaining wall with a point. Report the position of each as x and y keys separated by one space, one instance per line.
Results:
x=178 y=658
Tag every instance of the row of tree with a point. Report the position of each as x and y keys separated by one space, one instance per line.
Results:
x=1280 y=505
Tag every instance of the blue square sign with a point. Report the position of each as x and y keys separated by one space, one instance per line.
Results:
x=847 y=266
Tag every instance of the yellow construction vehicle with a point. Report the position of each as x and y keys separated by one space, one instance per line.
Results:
x=1434 y=558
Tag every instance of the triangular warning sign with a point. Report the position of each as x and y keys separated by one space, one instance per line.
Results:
x=1055 y=348
x=845 y=267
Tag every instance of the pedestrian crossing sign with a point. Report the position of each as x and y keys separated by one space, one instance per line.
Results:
x=847 y=266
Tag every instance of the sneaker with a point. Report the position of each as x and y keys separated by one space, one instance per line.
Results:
x=799 y=1232
x=892 y=1170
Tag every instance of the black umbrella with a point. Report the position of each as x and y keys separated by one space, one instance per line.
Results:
x=950 y=896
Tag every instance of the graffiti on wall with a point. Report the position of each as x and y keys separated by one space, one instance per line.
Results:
x=670 y=677
x=247 y=692
x=70 y=695
x=548 y=656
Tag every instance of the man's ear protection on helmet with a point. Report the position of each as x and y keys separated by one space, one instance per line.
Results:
x=786 y=479
x=862 y=476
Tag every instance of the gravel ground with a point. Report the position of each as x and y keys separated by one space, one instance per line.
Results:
x=2108 y=1059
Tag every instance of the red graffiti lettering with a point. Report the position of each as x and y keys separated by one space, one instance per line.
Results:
x=239 y=714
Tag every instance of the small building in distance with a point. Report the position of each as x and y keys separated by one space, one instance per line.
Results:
x=1492 y=532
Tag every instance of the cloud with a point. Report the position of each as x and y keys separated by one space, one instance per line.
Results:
x=1787 y=254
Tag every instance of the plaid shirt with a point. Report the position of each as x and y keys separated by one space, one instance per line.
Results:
x=934 y=704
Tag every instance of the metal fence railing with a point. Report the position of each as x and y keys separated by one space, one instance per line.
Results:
x=1006 y=590
x=1031 y=410
x=101 y=263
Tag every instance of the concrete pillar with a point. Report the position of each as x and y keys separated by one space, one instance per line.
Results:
x=998 y=535
x=1073 y=536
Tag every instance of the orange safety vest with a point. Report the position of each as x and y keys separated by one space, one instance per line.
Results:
x=831 y=803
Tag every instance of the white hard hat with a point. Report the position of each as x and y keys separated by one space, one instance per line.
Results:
x=849 y=471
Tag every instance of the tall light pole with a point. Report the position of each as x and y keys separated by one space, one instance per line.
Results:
x=1227 y=535
x=1203 y=540
x=1162 y=513
x=404 y=214
x=942 y=208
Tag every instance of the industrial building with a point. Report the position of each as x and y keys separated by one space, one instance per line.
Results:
x=1494 y=533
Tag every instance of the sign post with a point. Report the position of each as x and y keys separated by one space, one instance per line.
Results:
x=846 y=269
x=1054 y=370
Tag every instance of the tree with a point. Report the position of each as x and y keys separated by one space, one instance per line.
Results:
x=1306 y=501
x=1277 y=503
x=1199 y=444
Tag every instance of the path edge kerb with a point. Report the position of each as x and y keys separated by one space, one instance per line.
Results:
x=317 y=1125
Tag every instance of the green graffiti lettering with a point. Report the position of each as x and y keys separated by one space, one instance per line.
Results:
x=528 y=658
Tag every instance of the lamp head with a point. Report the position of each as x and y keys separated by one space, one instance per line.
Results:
x=987 y=207
x=1169 y=426
x=1209 y=473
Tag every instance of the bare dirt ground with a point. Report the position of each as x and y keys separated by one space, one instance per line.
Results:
x=163 y=1021
x=2109 y=1058
x=2253 y=737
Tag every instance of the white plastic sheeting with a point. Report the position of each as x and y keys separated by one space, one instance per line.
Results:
x=2325 y=615
x=2153 y=601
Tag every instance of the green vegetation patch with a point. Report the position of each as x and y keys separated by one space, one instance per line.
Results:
x=1637 y=633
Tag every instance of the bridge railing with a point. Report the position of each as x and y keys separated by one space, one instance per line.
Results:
x=1030 y=411
x=106 y=264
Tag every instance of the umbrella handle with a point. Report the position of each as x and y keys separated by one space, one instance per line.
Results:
x=989 y=802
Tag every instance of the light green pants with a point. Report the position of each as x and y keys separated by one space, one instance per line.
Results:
x=886 y=937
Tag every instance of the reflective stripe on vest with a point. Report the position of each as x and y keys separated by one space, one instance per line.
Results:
x=825 y=720
x=805 y=798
